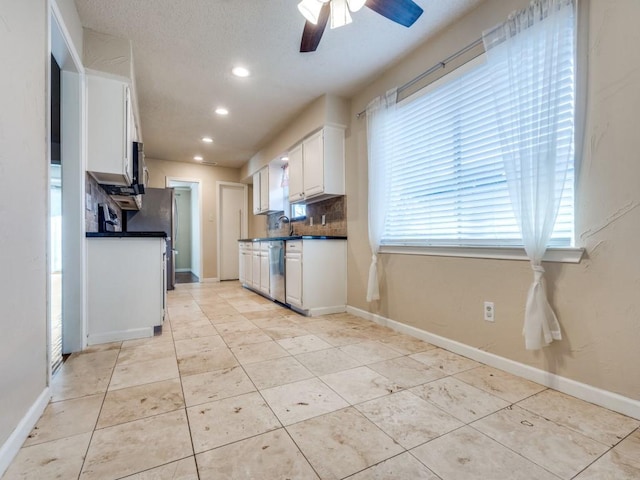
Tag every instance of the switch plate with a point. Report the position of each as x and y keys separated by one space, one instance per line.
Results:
x=311 y=221
x=489 y=312
x=324 y=219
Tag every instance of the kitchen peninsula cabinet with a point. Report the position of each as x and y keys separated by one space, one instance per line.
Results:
x=316 y=166
x=126 y=285
x=316 y=275
x=110 y=131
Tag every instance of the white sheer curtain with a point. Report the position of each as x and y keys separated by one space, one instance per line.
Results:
x=380 y=147
x=534 y=52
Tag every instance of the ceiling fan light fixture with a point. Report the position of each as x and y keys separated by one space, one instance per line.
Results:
x=310 y=9
x=339 y=14
x=355 y=5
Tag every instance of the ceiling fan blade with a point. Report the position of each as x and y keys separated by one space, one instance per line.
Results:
x=404 y=12
x=312 y=34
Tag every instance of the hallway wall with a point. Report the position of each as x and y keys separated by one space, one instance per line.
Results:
x=23 y=236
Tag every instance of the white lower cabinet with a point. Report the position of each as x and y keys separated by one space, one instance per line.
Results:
x=126 y=291
x=245 y=266
x=316 y=276
x=255 y=267
x=293 y=273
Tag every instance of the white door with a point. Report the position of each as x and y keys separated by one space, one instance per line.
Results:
x=232 y=219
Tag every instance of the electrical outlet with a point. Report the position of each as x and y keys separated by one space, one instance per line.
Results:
x=489 y=312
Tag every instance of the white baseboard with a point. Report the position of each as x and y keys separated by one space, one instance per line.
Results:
x=314 y=312
x=183 y=270
x=10 y=448
x=612 y=401
x=119 y=335
x=210 y=280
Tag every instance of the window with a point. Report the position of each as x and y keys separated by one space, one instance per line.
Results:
x=298 y=212
x=446 y=179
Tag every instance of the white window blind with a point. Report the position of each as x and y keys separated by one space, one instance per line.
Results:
x=447 y=184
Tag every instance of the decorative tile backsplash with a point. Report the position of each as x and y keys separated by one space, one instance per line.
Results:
x=334 y=210
x=97 y=195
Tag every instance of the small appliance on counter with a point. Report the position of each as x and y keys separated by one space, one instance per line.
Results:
x=107 y=218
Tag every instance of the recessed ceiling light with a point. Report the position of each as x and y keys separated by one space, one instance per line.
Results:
x=240 y=72
x=197 y=158
x=207 y=139
x=285 y=159
x=222 y=111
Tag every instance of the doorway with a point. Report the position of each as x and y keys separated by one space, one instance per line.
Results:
x=232 y=226
x=66 y=222
x=187 y=243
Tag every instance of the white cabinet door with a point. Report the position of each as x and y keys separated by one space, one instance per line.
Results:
x=255 y=268
x=296 y=185
x=248 y=265
x=109 y=131
x=293 y=273
x=256 y=193
x=264 y=189
x=313 y=164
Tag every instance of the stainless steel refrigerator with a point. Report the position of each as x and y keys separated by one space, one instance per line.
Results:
x=158 y=214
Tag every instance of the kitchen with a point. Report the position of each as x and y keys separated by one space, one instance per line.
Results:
x=442 y=295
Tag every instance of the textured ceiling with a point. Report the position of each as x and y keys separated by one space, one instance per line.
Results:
x=184 y=50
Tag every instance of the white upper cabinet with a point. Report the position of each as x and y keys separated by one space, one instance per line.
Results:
x=268 y=194
x=296 y=187
x=110 y=131
x=319 y=166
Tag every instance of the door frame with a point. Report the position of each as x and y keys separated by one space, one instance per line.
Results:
x=74 y=141
x=244 y=225
x=168 y=181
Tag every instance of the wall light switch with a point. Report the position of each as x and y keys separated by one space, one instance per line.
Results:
x=324 y=219
x=88 y=201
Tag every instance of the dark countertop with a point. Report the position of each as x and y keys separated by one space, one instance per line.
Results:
x=295 y=237
x=126 y=235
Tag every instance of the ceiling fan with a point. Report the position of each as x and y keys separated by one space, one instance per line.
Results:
x=318 y=12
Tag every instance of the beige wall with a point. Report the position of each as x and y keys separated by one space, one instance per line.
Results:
x=597 y=301
x=159 y=170
x=23 y=235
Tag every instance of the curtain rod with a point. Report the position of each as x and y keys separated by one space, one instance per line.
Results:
x=434 y=68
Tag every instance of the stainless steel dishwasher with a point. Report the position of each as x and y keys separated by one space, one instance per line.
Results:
x=276 y=270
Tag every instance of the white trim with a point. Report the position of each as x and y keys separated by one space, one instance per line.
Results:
x=244 y=227
x=66 y=36
x=118 y=335
x=210 y=280
x=588 y=393
x=11 y=447
x=168 y=181
x=182 y=270
x=315 y=312
x=563 y=255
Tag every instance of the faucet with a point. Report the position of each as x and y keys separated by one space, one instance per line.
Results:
x=284 y=217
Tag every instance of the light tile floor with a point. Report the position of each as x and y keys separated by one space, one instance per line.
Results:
x=238 y=387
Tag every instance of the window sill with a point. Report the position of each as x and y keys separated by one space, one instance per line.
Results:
x=562 y=255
